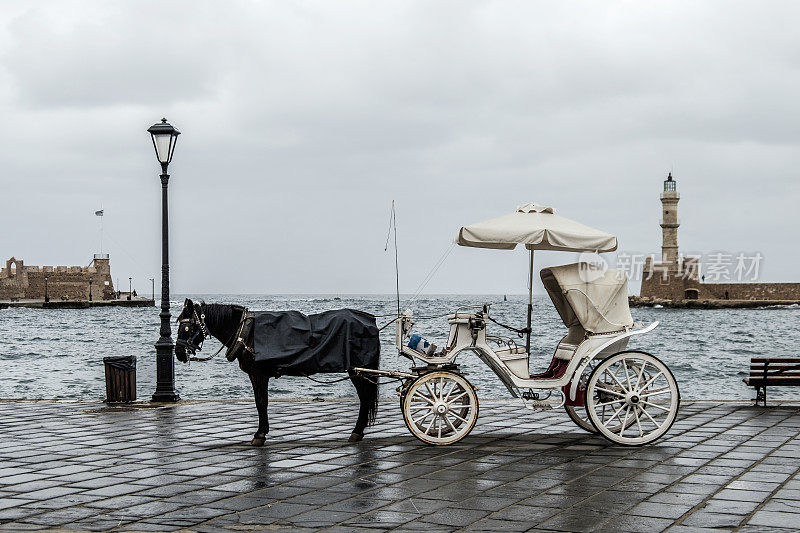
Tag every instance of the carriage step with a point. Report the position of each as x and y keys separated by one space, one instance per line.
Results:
x=537 y=405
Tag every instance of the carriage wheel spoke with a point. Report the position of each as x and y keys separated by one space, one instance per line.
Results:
x=617 y=412
x=627 y=374
x=428 y=429
x=647 y=385
x=655 y=405
x=665 y=390
x=417 y=421
x=612 y=402
x=432 y=393
x=625 y=422
x=615 y=393
x=419 y=396
x=452 y=427
x=614 y=375
x=460 y=418
x=457 y=398
x=639 y=377
x=638 y=422
x=615 y=379
x=645 y=413
x=452 y=387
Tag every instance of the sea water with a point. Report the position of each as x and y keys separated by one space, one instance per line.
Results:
x=58 y=353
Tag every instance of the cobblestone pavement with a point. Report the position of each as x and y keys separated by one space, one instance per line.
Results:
x=84 y=466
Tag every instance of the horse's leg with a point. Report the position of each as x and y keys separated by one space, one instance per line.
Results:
x=367 y=395
x=260 y=381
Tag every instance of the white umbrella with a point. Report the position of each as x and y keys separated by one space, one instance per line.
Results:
x=538 y=228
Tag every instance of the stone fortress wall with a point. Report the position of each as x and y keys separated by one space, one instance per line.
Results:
x=20 y=282
x=674 y=279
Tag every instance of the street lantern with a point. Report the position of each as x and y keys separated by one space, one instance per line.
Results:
x=130 y=285
x=164 y=137
x=46 y=298
x=153 y=281
x=90 y=288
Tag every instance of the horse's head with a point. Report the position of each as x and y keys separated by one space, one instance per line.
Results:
x=192 y=330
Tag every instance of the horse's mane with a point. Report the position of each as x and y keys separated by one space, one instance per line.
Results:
x=222 y=320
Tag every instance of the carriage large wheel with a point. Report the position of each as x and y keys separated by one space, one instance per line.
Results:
x=578 y=413
x=632 y=398
x=440 y=407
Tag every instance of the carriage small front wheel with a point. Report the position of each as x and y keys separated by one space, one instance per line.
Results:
x=440 y=407
x=632 y=398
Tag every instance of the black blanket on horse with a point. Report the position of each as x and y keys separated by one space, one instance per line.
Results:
x=294 y=344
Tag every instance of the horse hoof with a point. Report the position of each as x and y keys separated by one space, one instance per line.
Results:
x=355 y=437
x=258 y=441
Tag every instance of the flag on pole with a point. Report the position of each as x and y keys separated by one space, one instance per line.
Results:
x=99 y=213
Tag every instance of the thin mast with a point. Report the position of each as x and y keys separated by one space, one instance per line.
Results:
x=530 y=304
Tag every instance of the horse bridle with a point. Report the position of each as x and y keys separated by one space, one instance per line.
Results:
x=195 y=320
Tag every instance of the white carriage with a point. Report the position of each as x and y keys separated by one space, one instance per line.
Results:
x=629 y=397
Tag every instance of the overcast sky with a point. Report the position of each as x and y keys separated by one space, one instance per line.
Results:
x=302 y=121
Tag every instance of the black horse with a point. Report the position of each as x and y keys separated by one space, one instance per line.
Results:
x=224 y=322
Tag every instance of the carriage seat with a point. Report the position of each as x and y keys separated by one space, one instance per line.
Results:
x=516 y=359
x=510 y=352
x=565 y=351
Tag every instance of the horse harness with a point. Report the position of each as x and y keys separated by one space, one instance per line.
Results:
x=244 y=332
x=238 y=341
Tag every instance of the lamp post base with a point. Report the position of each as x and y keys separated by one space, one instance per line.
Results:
x=165 y=397
x=165 y=373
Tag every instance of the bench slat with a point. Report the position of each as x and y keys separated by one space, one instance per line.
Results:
x=774 y=382
x=775 y=360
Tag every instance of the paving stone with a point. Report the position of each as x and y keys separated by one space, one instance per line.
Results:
x=381 y=519
x=586 y=520
x=713 y=520
x=525 y=513
x=455 y=517
x=636 y=524
x=730 y=506
x=492 y=524
x=659 y=510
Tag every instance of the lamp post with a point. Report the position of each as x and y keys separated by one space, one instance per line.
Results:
x=130 y=284
x=153 y=281
x=46 y=298
x=90 y=288
x=164 y=137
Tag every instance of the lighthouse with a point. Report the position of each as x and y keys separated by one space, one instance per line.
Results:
x=669 y=224
x=669 y=278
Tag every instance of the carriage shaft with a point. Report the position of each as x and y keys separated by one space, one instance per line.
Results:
x=392 y=373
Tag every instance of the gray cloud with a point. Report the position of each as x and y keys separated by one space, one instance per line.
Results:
x=303 y=120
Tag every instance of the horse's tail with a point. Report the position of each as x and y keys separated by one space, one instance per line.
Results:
x=368 y=387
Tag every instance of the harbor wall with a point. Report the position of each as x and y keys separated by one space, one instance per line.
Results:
x=71 y=283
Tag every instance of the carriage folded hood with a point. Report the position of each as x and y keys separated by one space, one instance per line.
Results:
x=538 y=228
x=588 y=296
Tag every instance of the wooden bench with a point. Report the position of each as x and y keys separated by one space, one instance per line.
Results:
x=773 y=372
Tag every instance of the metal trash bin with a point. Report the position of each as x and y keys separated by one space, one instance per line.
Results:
x=120 y=379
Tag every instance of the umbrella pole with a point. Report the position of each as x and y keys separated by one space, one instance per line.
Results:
x=530 y=305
